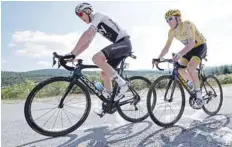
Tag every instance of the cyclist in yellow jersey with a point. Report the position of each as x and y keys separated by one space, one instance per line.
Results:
x=190 y=56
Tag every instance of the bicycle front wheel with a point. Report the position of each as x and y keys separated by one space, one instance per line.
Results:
x=45 y=116
x=135 y=112
x=212 y=95
x=169 y=101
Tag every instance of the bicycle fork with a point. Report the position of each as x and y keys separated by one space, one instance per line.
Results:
x=172 y=90
x=68 y=89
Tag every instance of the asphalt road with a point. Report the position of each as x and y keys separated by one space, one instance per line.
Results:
x=194 y=128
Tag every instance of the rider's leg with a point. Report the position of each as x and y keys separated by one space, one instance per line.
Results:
x=195 y=56
x=192 y=66
x=106 y=82
x=114 y=51
x=193 y=63
x=183 y=62
x=100 y=60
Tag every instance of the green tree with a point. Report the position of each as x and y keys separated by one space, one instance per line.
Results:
x=226 y=70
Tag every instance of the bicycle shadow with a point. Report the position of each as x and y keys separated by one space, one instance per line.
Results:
x=71 y=136
x=200 y=133
x=103 y=136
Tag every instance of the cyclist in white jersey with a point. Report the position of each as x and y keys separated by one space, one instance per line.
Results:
x=109 y=57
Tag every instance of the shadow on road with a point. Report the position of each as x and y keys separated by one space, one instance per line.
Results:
x=71 y=136
x=103 y=136
x=200 y=133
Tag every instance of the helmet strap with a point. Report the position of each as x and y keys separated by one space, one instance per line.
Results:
x=177 y=23
x=88 y=15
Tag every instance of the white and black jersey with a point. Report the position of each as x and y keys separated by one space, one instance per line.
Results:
x=107 y=27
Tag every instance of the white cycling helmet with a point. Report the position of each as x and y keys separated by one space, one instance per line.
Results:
x=81 y=7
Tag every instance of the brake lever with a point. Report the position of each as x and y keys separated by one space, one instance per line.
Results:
x=54 y=61
x=153 y=62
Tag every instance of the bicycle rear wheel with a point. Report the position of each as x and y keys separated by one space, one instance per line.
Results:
x=164 y=86
x=211 y=93
x=43 y=114
x=135 y=112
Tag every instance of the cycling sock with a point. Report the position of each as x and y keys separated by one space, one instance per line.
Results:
x=119 y=80
x=198 y=93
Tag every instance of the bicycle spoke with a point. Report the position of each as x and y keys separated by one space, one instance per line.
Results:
x=160 y=103
x=142 y=109
x=165 y=113
x=68 y=118
x=49 y=118
x=71 y=107
x=131 y=111
x=58 y=98
x=160 y=106
x=70 y=113
x=45 y=113
x=66 y=104
x=210 y=104
x=69 y=100
x=56 y=118
x=171 y=110
x=61 y=119
x=43 y=109
x=162 y=113
x=176 y=106
x=45 y=103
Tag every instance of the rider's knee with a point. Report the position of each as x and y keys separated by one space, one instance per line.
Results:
x=97 y=57
x=94 y=58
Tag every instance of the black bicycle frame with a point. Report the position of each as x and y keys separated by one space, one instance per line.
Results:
x=184 y=83
x=177 y=76
x=77 y=75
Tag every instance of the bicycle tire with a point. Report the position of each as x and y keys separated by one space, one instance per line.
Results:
x=31 y=122
x=221 y=96
x=126 y=117
x=150 y=108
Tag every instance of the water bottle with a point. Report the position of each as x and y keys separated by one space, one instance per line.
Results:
x=190 y=84
x=99 y=86
x=102 y=89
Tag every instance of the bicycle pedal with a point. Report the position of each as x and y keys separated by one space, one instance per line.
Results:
x=100 y=114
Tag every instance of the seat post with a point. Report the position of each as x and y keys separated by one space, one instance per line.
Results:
x=121 y=66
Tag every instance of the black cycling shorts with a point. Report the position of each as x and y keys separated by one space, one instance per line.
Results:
x=114 y=53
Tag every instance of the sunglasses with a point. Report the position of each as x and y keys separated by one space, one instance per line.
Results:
x=80 y=14
x=169 y=19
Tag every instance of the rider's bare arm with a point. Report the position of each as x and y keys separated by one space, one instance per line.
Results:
x=168 y=44
x=84 y=41
x=191 y=40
